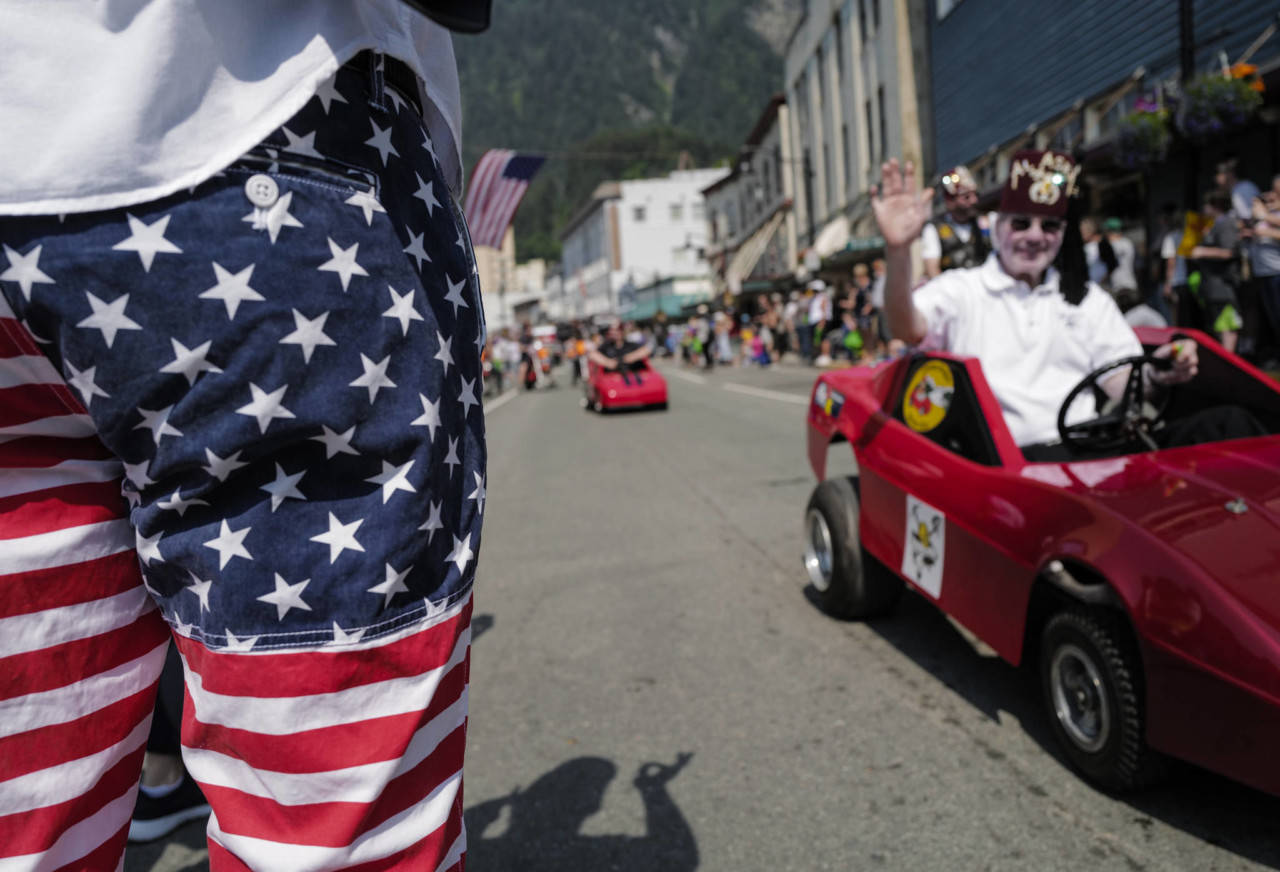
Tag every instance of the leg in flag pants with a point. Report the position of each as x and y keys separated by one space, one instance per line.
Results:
x=246 y=418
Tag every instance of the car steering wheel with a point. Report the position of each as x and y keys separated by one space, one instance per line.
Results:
x=1124 y=420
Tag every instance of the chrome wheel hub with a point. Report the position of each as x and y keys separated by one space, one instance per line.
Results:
x=818 y=556
x=1079 y=697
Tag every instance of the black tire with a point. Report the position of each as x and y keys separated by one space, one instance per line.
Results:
x=847 y=581
x=1092 y=685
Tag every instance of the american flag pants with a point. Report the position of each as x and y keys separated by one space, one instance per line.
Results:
x=246 y=417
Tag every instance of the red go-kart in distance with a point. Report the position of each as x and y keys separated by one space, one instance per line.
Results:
x=1143 y=584
x=640 y=387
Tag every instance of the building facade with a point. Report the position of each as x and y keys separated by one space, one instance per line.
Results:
x=1060 y=84
x=632 y=235
x=497 y=270
x=751 y=228
x=858 y=94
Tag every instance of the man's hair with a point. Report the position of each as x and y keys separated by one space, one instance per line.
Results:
x=1073 y=269
x=1229 y=165
x=1219 y=198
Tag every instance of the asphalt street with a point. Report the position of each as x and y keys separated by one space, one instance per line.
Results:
x=652 y=689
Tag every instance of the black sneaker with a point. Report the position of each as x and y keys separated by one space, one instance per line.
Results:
x=156 y=818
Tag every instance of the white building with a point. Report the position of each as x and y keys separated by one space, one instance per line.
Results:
x=856 y=100
x=632 y=236
x=497 y=270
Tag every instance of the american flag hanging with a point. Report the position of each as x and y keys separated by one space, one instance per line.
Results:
x=497 y=184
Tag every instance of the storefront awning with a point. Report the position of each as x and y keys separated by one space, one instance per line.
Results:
x=748 y=254
x=673 y=304
x=832 y=237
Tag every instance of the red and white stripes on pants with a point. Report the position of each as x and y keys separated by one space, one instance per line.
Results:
x=311 y=759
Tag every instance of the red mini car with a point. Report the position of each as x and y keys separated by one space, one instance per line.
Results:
x=1143 y=584
x=607 y=390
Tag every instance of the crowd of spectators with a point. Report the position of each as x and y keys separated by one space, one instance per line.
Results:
x=1216 y=269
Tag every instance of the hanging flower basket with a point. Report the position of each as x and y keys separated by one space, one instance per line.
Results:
x=1213 y=103
x=1142 y=136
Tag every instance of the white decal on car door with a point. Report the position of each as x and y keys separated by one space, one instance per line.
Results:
x=924 y=549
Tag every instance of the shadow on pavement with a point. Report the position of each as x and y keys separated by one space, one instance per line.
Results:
x=544 y=820
x=481 y=624
x=1210 y=807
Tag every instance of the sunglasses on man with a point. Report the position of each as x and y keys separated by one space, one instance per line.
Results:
x=1047 y=225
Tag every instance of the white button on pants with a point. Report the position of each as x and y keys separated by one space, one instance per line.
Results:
x=262 y=191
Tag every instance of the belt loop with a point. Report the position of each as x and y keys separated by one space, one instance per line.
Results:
x=377 y=93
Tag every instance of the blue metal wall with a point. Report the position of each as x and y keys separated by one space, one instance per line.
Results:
x=1001 y=65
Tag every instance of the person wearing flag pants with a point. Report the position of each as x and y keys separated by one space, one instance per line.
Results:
x=240 y=381
x=1028 y=313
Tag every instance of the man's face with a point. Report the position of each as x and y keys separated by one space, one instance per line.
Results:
x=613 y=335
x=1027 y=244
x=963 y=205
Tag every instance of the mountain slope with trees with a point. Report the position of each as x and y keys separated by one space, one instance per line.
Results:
x=615 y=90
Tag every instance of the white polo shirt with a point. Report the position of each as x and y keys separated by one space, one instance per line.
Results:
x=1033 y=345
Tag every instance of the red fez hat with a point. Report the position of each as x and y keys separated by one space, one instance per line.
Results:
x=958 y=179
x=1040 y=183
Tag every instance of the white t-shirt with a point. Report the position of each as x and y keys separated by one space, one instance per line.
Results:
x=1097 y=269
x=1168 y=249
x=877 y=292
x=1123 y=275
x=819 y=307
x=1033 y=345
x=108 y=104
x=1242 y=194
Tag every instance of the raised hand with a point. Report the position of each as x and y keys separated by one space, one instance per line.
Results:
x=901 y=211
x=658 y=774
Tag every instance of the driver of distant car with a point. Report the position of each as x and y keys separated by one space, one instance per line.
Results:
x=614 y=352
x=1029 y=313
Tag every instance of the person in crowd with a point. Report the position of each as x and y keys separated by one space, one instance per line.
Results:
x=1094 y=244
x=1036 y=329
x=205 y=287
x=508 y=351
x=1173 y=268
x=1123 y=277
x=779 y=339
x=661 y=333
x=1217 y=260
x=1241 y=191
x=791 y=323
x=493 y=366
x=820 y=312
x=880 y=331
x=573 y=353
x=723 y=329
x=961 y=238
x=1265 y=263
